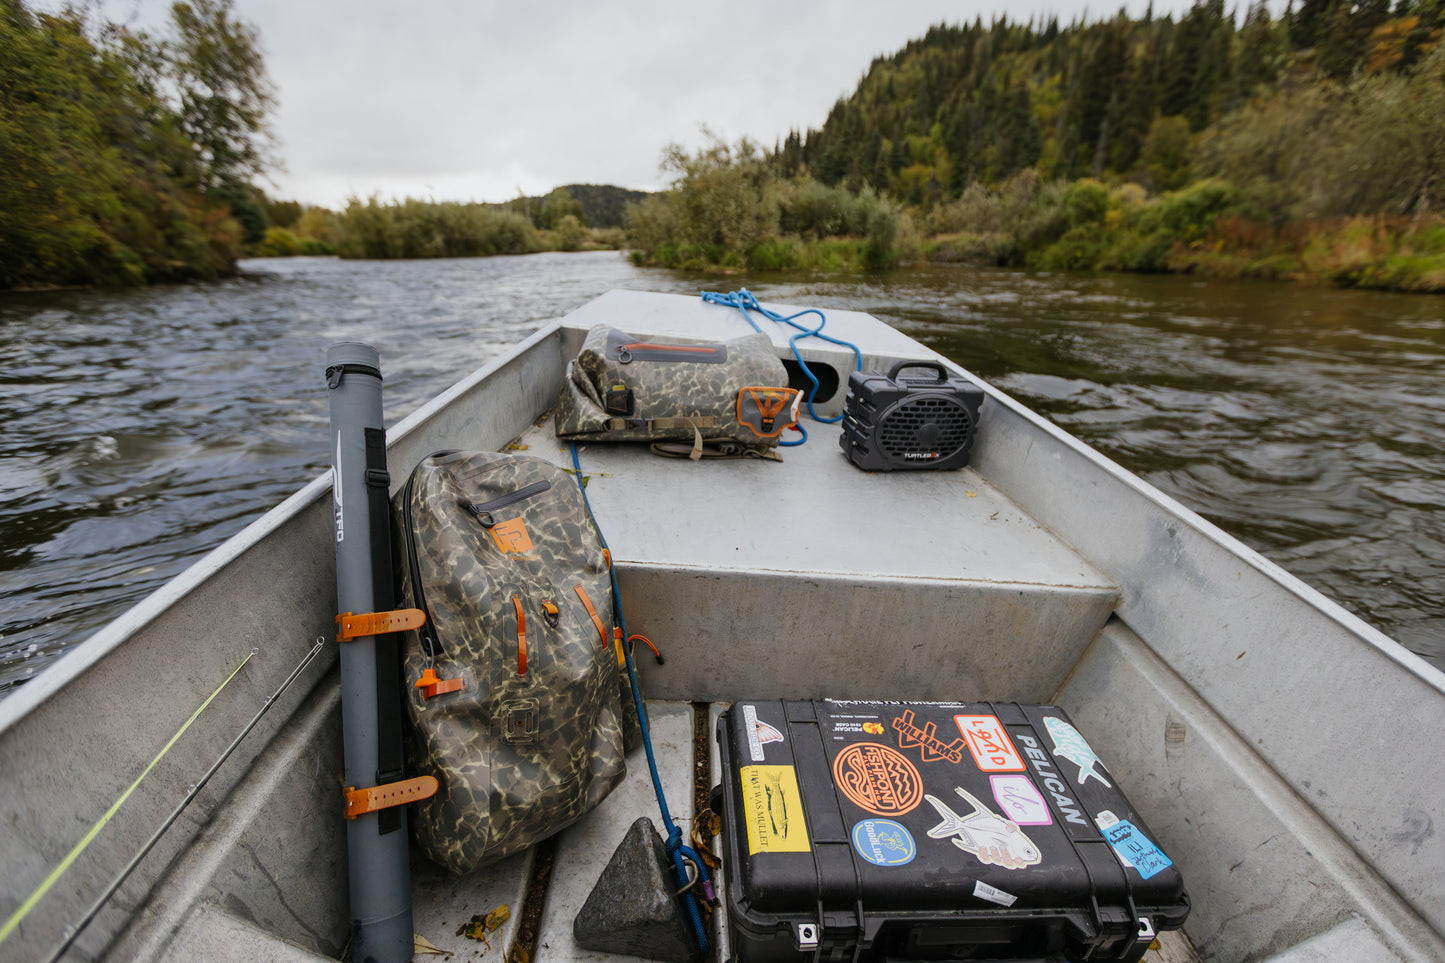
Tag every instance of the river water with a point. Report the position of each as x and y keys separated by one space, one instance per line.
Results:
x=141 y=428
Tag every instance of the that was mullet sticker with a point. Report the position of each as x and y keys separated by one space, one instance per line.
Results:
x=773 y=810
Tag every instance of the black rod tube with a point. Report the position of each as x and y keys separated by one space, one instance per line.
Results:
x=380 y=878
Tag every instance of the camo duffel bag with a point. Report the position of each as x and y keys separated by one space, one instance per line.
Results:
x=693 y=398
x=514 y=690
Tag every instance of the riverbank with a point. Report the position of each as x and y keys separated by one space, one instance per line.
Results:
x=1209 y=229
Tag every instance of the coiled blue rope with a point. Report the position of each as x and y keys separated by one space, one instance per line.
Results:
x=680 y=854
x=743 y=300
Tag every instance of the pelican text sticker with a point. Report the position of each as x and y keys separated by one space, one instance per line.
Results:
x=511 y=536
x=843 y=726
x=990 y=745
x=884 y=843
x=926 y=741
x=1020 y=800
x=877 y=778
x=1135 y=849
x=773 y=809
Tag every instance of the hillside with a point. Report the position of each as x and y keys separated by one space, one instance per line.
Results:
x=1152 y=100
x=1308 y=145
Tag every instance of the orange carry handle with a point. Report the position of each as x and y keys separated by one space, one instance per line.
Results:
x=431 y=686
x=359 y=802
x=355 y=626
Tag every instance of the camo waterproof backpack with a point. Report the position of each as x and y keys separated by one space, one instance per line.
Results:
x=514 y=689
x=690 y=398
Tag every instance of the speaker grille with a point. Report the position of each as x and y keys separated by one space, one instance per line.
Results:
x=934 y=427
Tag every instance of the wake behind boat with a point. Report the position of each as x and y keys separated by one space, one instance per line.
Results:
x=1279 y=747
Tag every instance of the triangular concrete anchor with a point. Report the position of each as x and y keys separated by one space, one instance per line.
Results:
x=631 y=910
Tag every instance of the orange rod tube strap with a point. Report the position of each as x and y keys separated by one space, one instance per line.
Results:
x=359 y=802
x=359 y=626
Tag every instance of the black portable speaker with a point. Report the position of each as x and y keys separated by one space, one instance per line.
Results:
x=892 y=423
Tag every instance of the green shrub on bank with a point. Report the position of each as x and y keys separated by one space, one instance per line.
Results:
x=421 y=229
x=727 y=209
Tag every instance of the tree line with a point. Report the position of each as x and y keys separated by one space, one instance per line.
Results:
x=1306 y=144
x=124 y=157
x=578 y=217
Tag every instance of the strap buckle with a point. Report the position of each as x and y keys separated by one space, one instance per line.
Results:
x=354 y=626
x=359 y=802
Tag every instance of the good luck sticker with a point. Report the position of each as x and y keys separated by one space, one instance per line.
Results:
x=883 y=842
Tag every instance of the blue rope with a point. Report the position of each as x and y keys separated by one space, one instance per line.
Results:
x=680 y=853
x=743 y=300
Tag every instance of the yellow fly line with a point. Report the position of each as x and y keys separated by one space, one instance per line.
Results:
x=19 y=915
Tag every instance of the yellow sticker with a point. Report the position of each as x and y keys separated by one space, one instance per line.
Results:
x=773 y=809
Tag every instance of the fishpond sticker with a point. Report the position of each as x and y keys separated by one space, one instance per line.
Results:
x=883 y=842
x=877 y=778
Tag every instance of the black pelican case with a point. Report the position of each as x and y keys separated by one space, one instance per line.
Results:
x=932 y=831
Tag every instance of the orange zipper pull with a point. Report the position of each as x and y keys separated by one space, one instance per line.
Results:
x=521 y=637
x=431 y=686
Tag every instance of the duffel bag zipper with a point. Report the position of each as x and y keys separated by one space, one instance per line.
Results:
x=484 y=510
x=640 y=351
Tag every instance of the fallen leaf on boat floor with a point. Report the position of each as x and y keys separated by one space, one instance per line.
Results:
x=421 y=946
x=970 y=494
x=480 y=925
x=517 y=446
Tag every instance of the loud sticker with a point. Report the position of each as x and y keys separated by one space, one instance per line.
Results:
x=990 y=745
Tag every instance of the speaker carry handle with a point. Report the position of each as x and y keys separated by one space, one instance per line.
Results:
x=942 y=372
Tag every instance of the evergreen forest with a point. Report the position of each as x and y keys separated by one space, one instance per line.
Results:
x=1311 y=144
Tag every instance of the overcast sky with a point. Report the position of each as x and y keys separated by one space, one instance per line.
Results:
x=479 y=100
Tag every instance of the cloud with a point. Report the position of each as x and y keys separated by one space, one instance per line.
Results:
x=475 y=100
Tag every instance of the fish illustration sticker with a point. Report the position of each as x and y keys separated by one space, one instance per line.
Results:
x=759 y=733
x=773 y=809
x=984 y=834
x=884 y=842
x=1073 y=747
